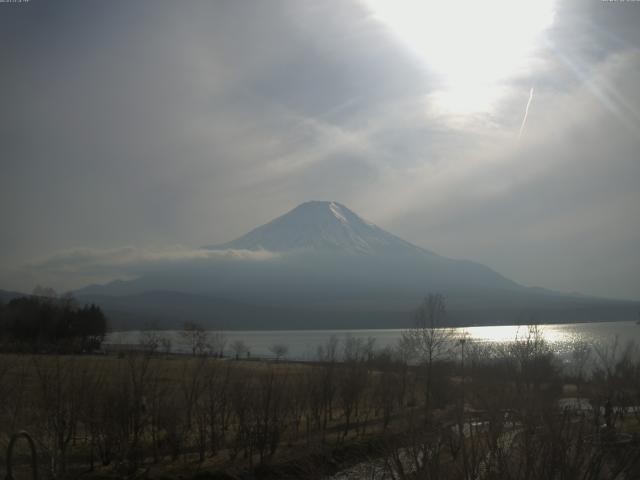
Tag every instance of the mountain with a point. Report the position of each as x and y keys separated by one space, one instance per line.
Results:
x=322 y=227
x=167 y=310
x=6 y=296
x=328 y=268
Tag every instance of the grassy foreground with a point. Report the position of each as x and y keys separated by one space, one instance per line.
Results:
x=511 y=413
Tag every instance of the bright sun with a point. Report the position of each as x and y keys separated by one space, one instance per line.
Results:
x=472 y=45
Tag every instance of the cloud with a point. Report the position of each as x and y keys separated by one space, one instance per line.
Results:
x=192 y=124
x=74 y=268
x=547 y=210
x=526 y=113
x=130 y=259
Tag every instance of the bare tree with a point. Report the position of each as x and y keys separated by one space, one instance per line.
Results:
x=217 y=344
x=193 y=382
x=195 y=337
x=352 y=381
x=370 y=348
x=239 y=348
x=217 y=392
x=581 y=353
x=353 y=349
x=429 y=339
x=13 y=379
x=268 y=411
x=329 y=351
x=403 y=354
x=60 y=391
x=279 y=350
x=149 y=341
x=325 y=381
x=167 y=345
x=386 y=388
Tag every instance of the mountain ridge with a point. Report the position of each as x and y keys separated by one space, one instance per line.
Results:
x=333 y=268
x=322 y=226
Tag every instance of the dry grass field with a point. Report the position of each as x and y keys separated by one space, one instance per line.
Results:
x=158 y=416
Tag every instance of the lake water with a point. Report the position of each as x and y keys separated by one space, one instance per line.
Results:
x=303 y=344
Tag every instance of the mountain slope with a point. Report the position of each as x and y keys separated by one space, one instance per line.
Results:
x=322 y=227
x=6 y=296
x=325 y=253
x=331 y=268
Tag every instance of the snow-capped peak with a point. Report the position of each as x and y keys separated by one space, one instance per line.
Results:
x=336 y=211
x=321 y=226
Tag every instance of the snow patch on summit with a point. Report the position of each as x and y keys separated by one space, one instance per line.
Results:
x=335 y=209
x=322 y=226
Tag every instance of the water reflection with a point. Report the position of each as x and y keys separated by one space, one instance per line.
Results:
x=550 y=333
x=303 y=344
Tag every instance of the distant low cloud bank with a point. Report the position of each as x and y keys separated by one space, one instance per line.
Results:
x=81 y=259
x=77 y=267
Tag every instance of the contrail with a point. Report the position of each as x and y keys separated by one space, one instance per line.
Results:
x=526 y=113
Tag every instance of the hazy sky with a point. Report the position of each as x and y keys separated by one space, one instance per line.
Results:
x=145 y=129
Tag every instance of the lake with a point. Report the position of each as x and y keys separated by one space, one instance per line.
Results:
x=303 y=344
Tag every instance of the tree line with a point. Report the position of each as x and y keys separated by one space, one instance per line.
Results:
x=48 y=323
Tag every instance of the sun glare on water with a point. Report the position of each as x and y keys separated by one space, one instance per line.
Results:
x=510 y=333
x=471 y=45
